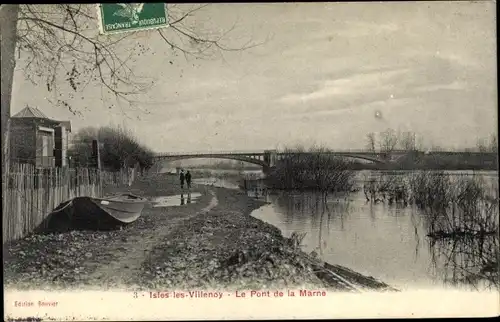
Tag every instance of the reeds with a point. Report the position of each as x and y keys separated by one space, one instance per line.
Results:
x=469 y=261
x=431 y=189
x=454 y=205
x=387 y=188
x=461 y=216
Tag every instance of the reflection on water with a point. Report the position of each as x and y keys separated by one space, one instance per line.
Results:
x=177 y=200
x=388 y=242
x=471 y=261
x=216 y=182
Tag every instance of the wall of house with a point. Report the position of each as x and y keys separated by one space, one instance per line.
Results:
x=23 y=143
x=44 y=148
x=39 y=142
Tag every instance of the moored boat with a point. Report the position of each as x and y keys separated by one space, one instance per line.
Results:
x=87 y=213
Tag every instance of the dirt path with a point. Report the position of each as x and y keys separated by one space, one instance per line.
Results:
x=130 y=253
x=229 y=249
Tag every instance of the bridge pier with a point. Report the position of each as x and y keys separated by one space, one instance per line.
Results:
x=270 y=157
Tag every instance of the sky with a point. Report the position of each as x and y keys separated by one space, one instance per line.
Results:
x=322 y=74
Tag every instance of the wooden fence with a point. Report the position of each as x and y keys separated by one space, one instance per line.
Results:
x=33 y=193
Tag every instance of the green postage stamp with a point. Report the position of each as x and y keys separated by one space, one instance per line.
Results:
x=123 y=17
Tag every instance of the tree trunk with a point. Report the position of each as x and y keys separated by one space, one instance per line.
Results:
x=8 y=30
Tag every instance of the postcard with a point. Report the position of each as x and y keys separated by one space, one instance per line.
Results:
x=249 y=160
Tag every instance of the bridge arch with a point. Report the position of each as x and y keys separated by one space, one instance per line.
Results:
x=372 y=158
x=362 y=157
x=242 y=158
x=260 y=158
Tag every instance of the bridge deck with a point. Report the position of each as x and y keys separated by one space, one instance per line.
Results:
x=267 y=158
x=308 y=152
x=277 y=152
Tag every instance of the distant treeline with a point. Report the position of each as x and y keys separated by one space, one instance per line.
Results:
x=390 y=140
x=416 y=160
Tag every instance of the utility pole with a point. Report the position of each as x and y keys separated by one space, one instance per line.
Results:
x=8 y=38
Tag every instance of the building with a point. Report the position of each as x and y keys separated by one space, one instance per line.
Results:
x=38 y=140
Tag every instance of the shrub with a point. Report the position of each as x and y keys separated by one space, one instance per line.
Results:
x=315 y=169
x=120 y=148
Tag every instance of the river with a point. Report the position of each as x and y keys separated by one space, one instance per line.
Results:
x=387 y=242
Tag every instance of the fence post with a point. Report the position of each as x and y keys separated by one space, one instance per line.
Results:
x=97 y=161
x=66 y=182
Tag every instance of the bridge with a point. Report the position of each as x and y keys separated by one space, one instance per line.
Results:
x=268 y=158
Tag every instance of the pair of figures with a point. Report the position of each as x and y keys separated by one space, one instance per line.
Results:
x=185 y=177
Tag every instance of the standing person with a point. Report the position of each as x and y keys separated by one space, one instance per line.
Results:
x=182 y=179
x=188 y=179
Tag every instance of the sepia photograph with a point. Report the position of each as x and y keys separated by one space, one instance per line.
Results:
x=180 y=161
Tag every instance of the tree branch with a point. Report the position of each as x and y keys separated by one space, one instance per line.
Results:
x=62 y=41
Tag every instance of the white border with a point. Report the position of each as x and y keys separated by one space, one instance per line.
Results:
x=101 y=25
x=116 y=305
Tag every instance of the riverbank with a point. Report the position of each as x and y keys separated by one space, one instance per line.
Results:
x=229 y=249
x=69 y=260
x=212 y=243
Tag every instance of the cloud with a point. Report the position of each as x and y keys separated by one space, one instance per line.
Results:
x=357 y=84
x=323 y=74
x=454 y=86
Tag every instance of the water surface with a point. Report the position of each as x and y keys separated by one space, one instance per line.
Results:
x=216 y=182
x=177 y=200
x=388 y=242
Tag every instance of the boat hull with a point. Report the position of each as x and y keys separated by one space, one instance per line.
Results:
x=86 y=213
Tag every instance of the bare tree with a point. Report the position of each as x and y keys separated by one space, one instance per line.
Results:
x=487 y=144
x=61 y=42
x=419 y=144
x=482 y=145
x=8 y=20
x=370 y=144
x=388 y=141
x=493 y=143
x=407 y=141
x=436 y=148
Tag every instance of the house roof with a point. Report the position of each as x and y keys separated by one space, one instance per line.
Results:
x=31 y=112
x=66 y=124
